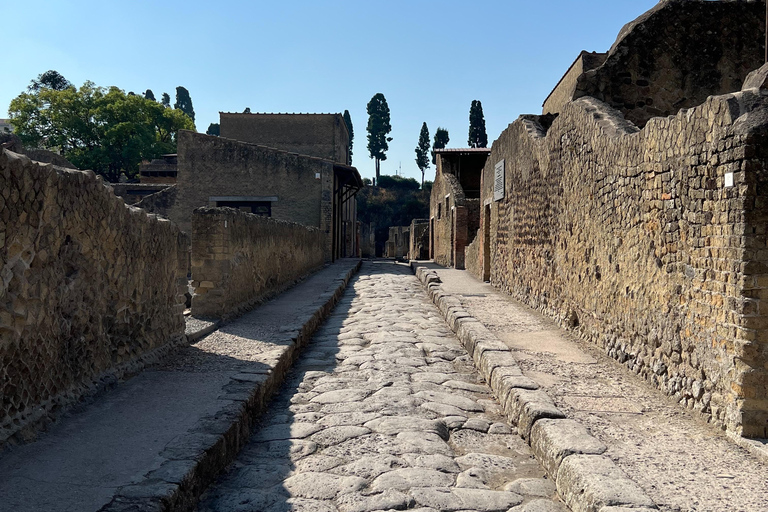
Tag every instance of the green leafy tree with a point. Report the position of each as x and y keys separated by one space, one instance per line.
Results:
x=348 y=122
x=213 y=129
x=184 y=102
x=166 y=100
x=378 y=129
x=441 y=140
x=422 y=151
x=150 y=95
x=97 y=128
x=477 y=136
x=50 y=79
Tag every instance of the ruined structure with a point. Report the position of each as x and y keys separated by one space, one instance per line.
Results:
x=647 y=234
x=240 y=259
x=322 y=135
x=90 y=288
x=454 y=204
x=398 y=242
x=419 y=243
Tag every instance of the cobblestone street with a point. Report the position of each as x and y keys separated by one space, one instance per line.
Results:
x=384 y=411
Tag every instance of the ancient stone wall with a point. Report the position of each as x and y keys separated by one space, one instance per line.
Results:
x=320 y=135
x=651 y=243
x=566 y=87
x=419 y=242
x=89 y=288
x=299 y=187
x=676 y=55
x=446 y=203
x=399 y=241
x=240 y=259
x=367 y=239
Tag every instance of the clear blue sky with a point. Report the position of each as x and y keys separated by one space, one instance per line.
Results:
x=430 y=59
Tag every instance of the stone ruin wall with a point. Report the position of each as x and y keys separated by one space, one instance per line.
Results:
x=632 y=238
x=240 y=259
x=90 y=289
x=676 y=55
x=445 y=185
x=418 y=248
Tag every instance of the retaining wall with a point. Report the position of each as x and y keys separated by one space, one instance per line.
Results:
x=652 y=243
x=89 y=288
x=240 y=259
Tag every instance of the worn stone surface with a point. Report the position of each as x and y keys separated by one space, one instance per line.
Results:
x=553 y=440
x=398 y=454
x=90 y=289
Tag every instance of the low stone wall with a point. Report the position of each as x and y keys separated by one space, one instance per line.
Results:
x=473 y=258
x=240 y=259
x=651 y=243
x=89 y=289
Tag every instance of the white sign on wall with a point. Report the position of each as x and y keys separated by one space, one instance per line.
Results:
x=498 y=181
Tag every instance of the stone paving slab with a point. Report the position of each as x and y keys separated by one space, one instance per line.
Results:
x=676 y=458
x=157 y=440
x=384 y=411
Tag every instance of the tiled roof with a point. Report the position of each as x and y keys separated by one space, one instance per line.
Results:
x=463 y=150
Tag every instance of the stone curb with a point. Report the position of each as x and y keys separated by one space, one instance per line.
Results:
x=586 y=480
x=193 y=461
x=193 y=336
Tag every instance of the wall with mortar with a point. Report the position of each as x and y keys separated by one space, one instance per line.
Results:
x=240 y=259
x=321 y=135
x=419 y=240
x=676 y=55
x=215 y=167
x=637 y=239
x=89 y=288
x=448 y=220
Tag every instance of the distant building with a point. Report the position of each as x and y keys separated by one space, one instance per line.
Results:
x=5 y=126
x=322 y=135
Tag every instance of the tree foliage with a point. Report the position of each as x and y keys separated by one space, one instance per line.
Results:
x=348 y=122
x=149 y=95
x=97 y=128
x=166 y=101
x=213 y=129
x=50 y=79
x=395 y=202
x=477 y=136
x=422 y=151
x=441 y=140
x=184 y=102
x=378 y=129
x=247 y=110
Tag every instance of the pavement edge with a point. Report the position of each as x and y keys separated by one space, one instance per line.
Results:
x=194 y=460
x=586 y=479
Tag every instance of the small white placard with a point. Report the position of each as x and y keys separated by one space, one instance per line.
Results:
x=728 y=179
x=317 y=175
x=498 y=181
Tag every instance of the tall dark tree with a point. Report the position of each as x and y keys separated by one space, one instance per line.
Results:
x=422 y=151
x=150 y=95
x=441 y=140
x=348 y=122
x=213 y=129
x=184 y=102
x=166 y=101
x=50 y=79
x=378 y=128
x=477 y=136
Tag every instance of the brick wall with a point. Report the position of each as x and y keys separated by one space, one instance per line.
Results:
x=636 y=239
x=446 y=204
x=218 y=167
x=321 y=135
x=89 y=288
x=240 y=259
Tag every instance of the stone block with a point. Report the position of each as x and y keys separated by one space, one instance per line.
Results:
x=553 y=440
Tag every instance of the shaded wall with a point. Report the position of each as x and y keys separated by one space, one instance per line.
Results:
x=240 y=259
x=89 y=288
x=638 y=240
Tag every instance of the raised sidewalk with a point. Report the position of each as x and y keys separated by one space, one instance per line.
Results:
x=677 y=459
x=157 y=440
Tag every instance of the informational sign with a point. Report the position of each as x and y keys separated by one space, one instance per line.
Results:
x=498 y=181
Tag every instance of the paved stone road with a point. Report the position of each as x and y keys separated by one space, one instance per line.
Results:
x=384 y=411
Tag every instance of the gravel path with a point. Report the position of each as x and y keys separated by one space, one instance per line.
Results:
x=682 y=462
x=384 y=411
